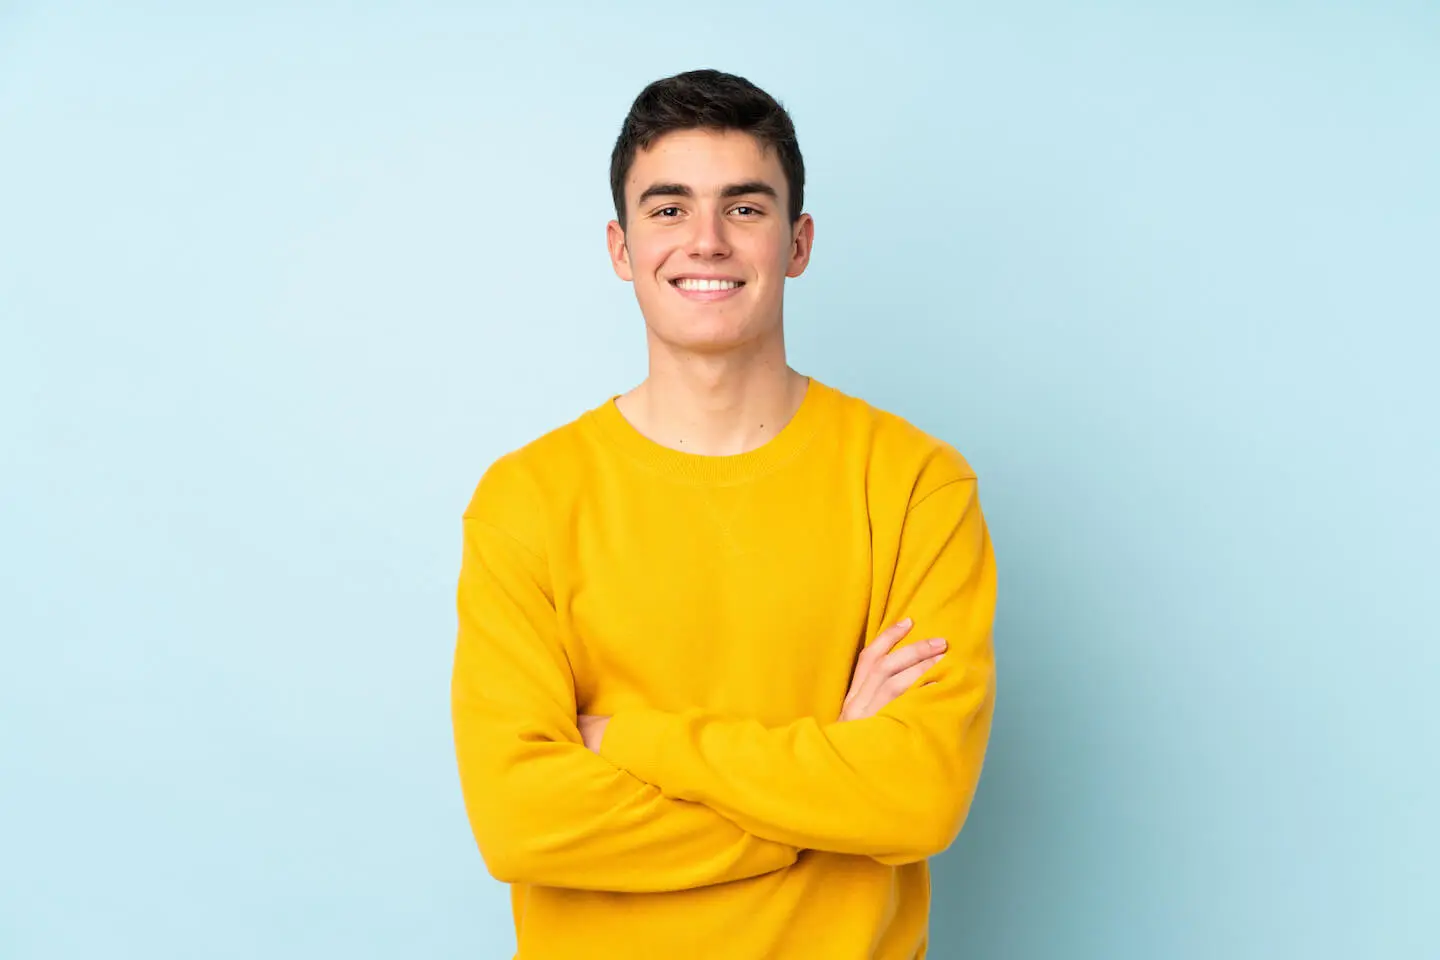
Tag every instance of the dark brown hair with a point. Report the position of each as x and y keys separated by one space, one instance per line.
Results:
x=707 y=99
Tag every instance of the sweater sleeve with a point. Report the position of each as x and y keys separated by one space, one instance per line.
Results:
x=545 y=809
x=896 y=786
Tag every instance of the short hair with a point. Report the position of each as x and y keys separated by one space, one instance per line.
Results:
x=711 y=100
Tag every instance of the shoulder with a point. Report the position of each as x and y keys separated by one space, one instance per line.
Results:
x=515 y=488
x=900 y=453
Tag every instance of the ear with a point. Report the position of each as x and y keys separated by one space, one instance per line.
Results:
x=802 y=241
x=619 y=253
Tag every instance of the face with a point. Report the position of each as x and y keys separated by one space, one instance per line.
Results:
x=704 y=206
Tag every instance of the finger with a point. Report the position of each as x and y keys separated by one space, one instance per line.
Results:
x=886 y=639
x=901 y=659
x=903 y=680
x=910 y=655
x=878 y=695
x=883 y=643
x=876 y=688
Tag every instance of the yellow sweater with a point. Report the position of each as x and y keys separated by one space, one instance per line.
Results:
x=714 y=607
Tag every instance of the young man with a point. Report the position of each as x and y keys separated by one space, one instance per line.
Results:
x=674 y=739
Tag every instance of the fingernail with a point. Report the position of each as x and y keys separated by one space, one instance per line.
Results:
x=937 y=644
x=905 y=624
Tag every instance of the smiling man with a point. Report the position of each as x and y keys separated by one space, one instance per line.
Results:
x=724 y=675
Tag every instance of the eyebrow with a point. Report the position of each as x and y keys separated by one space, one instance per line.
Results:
x=748 y=188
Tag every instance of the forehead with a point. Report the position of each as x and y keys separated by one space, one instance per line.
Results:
x=704 y=160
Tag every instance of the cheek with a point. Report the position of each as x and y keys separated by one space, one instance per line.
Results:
x=774 y=252
x=646 y=258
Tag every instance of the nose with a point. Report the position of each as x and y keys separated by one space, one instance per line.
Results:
x=707 y=238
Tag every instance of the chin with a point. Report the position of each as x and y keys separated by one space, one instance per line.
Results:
x=707 y=338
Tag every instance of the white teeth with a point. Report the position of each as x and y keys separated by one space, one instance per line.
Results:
x=690 y=284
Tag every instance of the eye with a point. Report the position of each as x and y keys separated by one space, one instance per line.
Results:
x=660 y=213
x=755 y=210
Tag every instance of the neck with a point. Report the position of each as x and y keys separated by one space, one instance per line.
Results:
x=714 y=405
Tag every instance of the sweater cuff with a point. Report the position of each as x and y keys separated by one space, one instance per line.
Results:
x=633 y=742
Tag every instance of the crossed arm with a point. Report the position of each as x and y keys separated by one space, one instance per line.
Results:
x=544 y=809
x=682 y=800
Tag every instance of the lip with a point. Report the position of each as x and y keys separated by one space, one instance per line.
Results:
x=705 y=296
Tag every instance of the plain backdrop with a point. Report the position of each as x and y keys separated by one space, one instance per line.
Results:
x=279 y=281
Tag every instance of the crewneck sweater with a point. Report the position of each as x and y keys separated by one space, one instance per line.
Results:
x=714 y=608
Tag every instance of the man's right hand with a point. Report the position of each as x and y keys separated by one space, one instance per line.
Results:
x=882 y=673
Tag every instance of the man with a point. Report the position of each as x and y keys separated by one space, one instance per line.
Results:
x=670 y=741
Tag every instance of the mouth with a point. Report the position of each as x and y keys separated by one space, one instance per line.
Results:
x=706 y=291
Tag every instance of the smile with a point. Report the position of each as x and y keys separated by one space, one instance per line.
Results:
x=706 y=290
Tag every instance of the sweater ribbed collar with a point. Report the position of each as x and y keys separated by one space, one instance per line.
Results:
x=789 y=442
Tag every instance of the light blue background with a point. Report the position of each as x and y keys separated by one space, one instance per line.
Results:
x=277 y=286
